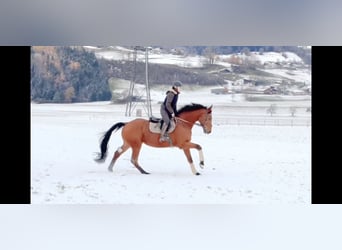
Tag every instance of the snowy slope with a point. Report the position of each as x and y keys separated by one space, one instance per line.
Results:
x=273 y=62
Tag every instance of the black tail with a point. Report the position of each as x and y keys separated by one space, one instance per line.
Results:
x=105 y=139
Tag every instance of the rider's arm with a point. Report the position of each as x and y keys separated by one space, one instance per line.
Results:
x=168 y=102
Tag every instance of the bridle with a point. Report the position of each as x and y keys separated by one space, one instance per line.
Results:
x=197 y=124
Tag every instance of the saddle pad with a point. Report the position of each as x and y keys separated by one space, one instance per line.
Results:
x=155 y=127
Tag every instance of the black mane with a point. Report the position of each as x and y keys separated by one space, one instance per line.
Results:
x=190 y=107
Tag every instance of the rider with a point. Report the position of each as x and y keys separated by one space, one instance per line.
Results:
x=168 y=109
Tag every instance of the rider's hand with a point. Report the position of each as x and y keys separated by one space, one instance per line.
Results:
x=173 y=117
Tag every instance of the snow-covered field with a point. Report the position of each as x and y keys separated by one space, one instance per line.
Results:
x=246 y=164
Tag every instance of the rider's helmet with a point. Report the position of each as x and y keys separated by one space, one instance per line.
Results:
x=177 y=84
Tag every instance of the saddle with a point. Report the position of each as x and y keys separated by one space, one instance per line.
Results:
x=155 y=125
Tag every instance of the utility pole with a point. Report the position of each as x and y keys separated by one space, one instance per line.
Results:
x=129 y=104
x=131 y=99
x=148 y=96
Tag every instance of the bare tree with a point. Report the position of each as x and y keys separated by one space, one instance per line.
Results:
x=272 y=109
x=246 y=51
x=293 y=110
x=210 y=54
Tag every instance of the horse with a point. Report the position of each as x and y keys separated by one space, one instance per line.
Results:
x=137 y=132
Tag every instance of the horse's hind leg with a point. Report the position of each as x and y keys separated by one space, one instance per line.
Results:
x=134 y=159
x=117 y=154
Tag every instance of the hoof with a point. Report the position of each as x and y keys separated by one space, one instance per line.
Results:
x=145 y=173
x=201 y=164
x=198 y=173
x=110 y=170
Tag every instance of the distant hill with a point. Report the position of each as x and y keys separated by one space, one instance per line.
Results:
x=82 y=74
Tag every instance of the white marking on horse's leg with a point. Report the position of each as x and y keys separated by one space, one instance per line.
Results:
x=110 y=167
x=193 y=169
x=117 y=154
x=188 y=156
x=201 y=156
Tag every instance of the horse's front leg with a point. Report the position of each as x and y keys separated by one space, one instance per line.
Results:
x=186 y=148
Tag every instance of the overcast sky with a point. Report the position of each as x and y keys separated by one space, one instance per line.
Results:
x=215 y=22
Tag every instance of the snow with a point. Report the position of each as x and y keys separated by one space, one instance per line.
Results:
x=247 y=159
x=300 y=74
x=120 y=53
x=276 y=57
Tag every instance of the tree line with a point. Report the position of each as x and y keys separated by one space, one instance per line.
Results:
x=67 y=74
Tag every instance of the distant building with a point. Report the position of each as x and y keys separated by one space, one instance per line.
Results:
x=220 y=91
x=271 y=90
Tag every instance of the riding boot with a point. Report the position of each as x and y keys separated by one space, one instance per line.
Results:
x=164 y=135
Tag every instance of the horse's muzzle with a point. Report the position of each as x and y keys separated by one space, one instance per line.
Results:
x=206 y=131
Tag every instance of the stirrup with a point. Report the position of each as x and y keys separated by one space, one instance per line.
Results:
x=164 y=138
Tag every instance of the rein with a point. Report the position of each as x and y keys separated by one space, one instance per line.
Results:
x=178 y=118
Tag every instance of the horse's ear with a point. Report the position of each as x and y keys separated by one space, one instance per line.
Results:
x=209 y=109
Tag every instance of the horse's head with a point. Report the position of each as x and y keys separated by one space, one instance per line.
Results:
x=197 y=112
x=206 y=120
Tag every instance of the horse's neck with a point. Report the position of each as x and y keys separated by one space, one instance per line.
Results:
x=190 y=117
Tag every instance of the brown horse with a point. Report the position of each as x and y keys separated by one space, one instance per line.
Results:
x=136 y=132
